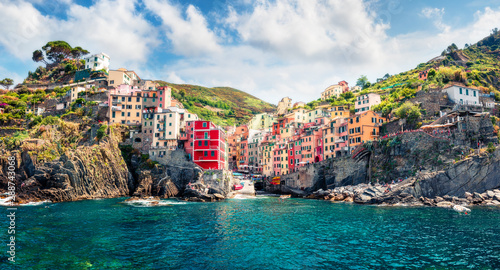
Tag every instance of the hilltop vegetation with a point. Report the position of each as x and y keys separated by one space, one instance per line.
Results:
x=476 y=65
x=222 y=105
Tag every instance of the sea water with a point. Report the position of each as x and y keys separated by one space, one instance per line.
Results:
x=261 y=233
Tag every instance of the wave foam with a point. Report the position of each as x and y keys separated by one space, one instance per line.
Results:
x=151 y=203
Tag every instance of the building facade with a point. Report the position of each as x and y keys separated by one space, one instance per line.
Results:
x=365 y=102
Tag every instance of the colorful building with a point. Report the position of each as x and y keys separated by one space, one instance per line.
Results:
x=206 y=145
x=365 y=102
x=364 y=127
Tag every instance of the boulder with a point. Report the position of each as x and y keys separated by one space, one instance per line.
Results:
x=438 y=199
x=362 y=198
x=445 y=204
x=339 y=197
x=490 y=194
x=348 y=199
x=478 y=196
x=495 y=202
x=219 y=196
x=496 y=196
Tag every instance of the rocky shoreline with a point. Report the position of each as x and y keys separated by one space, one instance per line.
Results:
x=400 y=194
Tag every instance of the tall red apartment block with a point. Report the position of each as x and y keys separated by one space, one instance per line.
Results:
x=205 y=143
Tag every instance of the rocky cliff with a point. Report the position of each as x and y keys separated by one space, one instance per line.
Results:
x=96 y=171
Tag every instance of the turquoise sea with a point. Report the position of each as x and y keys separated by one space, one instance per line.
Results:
x=251 y=234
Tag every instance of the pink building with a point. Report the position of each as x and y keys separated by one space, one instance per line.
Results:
x=341 y=138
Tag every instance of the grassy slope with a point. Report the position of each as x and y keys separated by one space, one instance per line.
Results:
x=221 y=105
x=477 y=65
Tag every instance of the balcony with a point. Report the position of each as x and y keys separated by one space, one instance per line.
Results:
x=206 y=159
x=161 y=129
x=375 y=134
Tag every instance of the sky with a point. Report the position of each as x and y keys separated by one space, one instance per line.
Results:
x=268 y=48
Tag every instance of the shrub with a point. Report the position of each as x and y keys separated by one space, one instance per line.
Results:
x=101 y=132
x=491 y=147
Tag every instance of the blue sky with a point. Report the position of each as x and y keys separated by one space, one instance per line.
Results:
x=268 y=48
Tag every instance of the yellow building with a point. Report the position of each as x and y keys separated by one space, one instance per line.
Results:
x=332 y=91
x=341 y=111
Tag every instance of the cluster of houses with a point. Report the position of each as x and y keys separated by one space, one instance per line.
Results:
x=269 y=144
x=281 y=143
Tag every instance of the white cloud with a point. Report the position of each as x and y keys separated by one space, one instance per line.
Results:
x=22 y=28
x=310 y=30
x=108 y=26
x=436 y=15
x=189 y=36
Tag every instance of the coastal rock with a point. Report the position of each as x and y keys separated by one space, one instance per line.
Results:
x=490 y=194
x=495 y=202
x=445 y=204
x=349 y=199
x=438 y=199
x=478 y=196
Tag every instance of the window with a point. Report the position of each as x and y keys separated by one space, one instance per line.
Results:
x=467 y=92
x=474 y=93
x=170 y=124
x=199 y=143
x=123 y=113
x=128 y=113
x=460 y=91
x=170 y=133
x=137 y=114
x=206 y=143
x=213 y=153
x=204 y=124
x=138 y=100
x=205 y=153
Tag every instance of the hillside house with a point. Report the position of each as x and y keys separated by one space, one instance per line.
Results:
x=365 y=102
x=97 y=62
x=463 y=95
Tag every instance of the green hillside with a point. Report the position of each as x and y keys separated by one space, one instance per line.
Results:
x=221 y=105
x=476 y=65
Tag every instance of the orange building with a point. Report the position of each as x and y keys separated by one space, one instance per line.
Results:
x=364 y=127
x=237 y=142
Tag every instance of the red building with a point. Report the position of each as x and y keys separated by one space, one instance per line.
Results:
x=345 y=86
x=205 y=143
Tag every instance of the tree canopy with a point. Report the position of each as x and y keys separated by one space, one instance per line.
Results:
x=362 y=81
x=56 y=51
x=7 y=82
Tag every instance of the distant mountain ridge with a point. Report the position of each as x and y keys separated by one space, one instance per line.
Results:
x=222 y=105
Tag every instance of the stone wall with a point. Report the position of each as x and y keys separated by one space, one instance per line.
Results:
x=431 y=102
